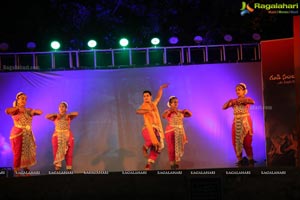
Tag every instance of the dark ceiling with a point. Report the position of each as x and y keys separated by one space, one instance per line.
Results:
x=74 y=22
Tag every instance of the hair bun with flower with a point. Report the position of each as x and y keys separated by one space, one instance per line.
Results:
x=17 y=95
x=170 y=98
x=244 y=87
x=65 y=103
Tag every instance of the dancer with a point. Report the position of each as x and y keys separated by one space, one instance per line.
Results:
x=175 y=133
x=62 y=138
x=152 y=130
x=21 y=135
x=242 y=130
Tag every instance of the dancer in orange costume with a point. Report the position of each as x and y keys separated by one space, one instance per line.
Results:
x=152 y=131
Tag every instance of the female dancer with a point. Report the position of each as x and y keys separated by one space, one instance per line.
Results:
x=21 y=135
x=62 y=139
x=175 y=134
x=242 y=124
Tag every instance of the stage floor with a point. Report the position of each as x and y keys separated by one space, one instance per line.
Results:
x=226 y=183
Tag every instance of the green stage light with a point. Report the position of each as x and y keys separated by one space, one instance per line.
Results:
x=55 y=45
x=92 y=43
x=124 y=42
x=155 y=41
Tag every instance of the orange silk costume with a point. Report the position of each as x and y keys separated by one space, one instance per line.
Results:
x=152 y=120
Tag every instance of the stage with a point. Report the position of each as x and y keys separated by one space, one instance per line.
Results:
x=107 y=155
x=107 y=131
x=223 y=183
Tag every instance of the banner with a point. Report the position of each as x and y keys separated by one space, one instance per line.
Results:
x=279 y=102
x=297 y=74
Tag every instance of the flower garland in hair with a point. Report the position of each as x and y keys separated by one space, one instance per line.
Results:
x=65 y=103
x=170 y=98
x=15 y=101
x=244 y=87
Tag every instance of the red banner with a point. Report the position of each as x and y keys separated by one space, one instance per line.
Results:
x=279 y=101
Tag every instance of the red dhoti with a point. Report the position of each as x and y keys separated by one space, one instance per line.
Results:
x=242 y=136
x=149 y=145
x=23 y=147
x=63 y=145
x=175 y=143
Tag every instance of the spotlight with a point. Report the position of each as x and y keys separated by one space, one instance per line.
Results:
x=155 y=41
x=31 y=45
x=173 y=40
x=92 y=43
x=123 y=42
x=55 y=45
x=256 y=36
x=228 y=38
x=198 y=39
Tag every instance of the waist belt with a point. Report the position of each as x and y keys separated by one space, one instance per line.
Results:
x=61 y=130
x=241 y=115
x=177 y=126
x=27 y=127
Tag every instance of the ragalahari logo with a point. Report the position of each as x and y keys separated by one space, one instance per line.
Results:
x=246 y=9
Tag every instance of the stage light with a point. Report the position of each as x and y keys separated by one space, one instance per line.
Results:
x=228 y=38
x=55 y=45
x=256 y=36
x=31 y=45
x=173 y=40
x=92 y=43
x=198 y=39
x=4 y=46
x=123 y=42
x=155 y=41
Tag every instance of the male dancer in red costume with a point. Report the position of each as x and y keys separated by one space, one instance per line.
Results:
x=152 y=130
